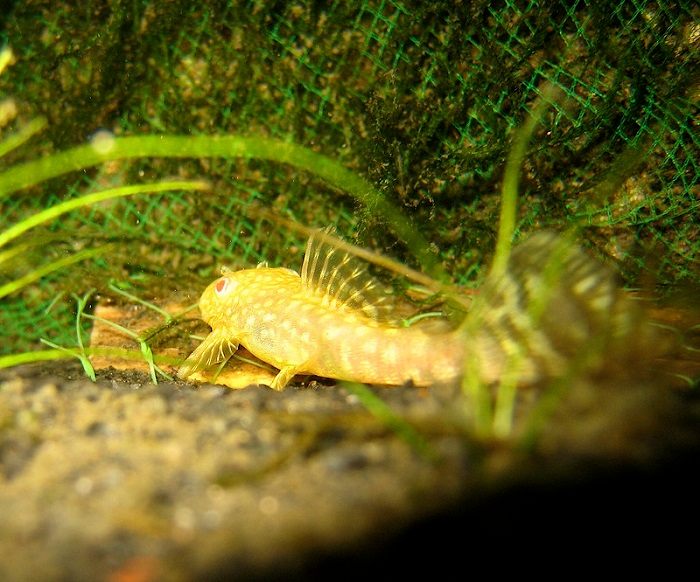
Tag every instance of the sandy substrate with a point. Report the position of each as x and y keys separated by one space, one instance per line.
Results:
x=122 y=480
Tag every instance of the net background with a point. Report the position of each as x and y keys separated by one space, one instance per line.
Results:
x=420 y=98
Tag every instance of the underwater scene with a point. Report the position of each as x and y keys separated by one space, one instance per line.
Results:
x=300 y=290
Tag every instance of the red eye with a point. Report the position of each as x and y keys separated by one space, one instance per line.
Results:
x=224 y=286
x=221 y=285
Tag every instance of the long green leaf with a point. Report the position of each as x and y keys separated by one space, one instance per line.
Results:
x=54 y=211
x=31 y=173
x=44 y=270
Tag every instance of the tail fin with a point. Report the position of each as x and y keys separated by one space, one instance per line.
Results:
x=555 y=307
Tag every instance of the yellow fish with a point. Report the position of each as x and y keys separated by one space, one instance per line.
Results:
x=331 y=320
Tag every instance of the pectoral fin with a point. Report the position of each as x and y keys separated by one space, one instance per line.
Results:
x=217 y=347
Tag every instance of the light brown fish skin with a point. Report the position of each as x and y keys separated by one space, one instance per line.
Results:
x=269 y=311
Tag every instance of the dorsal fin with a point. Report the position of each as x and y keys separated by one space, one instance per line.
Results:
x=342 y=280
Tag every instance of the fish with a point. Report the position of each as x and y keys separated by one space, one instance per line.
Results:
x=333 y=320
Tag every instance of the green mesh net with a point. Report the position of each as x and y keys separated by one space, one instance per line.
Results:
x=421 y=99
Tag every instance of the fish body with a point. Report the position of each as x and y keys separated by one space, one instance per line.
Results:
x=283 y=322
x=331 y=320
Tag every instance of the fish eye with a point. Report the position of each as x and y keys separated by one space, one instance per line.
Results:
x=224 y=286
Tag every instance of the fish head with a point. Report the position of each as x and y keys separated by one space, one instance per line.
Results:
x=228 y=300
x=220 y=299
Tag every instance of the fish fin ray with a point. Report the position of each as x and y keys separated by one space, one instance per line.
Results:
x=217 y=347
x=342 y=279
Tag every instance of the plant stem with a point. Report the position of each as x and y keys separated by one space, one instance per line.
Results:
x=221 y=146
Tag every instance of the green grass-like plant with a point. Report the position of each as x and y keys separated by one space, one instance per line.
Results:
x=386 y=415
x=144 y=347
x=491 y=417
x=495 y=418
x=106 y=148
x=80 y=352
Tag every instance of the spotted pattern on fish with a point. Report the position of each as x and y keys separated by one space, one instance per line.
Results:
x=333 y=320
